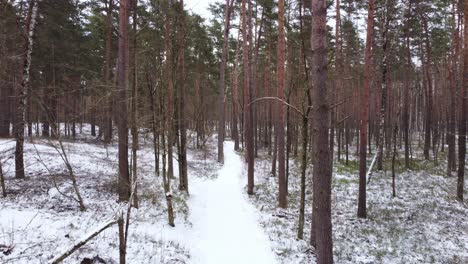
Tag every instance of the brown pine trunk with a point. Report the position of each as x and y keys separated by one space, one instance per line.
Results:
x=282 y=194
x=406 y=111
x=338 y=80
x=453 y=76
x=222 y=80
x=122 y=86
x=134 y=128
x=182 y=154
x=322 y=171
x=169 y=116
x=428 y=79
x=107 y=122
x=248 y=120
x=362 y=212
x=235 y=97
x=463 y=112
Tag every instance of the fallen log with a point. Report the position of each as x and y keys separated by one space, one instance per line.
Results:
x=2 y=180
x=83 y=241
x=369 y=172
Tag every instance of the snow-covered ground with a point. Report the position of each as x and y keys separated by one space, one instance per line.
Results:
x=225 y=225
x=215 y=224
x=218 y=222
x=423 y=224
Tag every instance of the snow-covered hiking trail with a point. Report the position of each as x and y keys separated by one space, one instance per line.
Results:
x=225 y=228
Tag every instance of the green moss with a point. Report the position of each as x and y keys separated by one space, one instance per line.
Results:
x=346 y=181
x=351 y=167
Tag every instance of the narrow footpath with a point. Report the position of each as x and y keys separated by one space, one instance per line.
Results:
x=225 y=227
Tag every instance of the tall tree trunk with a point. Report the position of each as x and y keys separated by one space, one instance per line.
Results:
x=338 y=81
x=183 y=177
x=23 y=94
x=406 y=111
x=322 y=171
x=235 y=97
x=134 y=128
x=463 y=109
x=248 y=120
x=428 y=79
x=383 y=99
x=169 y=115
x=282 y=194
x=122 y=86
x=222 y=82
x=453 y=77
x=362 y=212
x=107 y=122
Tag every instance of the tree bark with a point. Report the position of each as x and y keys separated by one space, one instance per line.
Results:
x=322 y=171
x=183 y=177
x=134 y=128
x=107 y=122
x=383 y=99
x=23 y=94
x=122 y=86
x=428 y=79
x=362 y=212
x=282 y=194
x=169 y=116
x=235 y=97
x=406 y=111
x=463 y=109
x=222 y=81
x=248 y=120
x=453 y=76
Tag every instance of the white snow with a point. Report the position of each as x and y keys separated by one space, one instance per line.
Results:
x=225 y=227
x=218 y=222
x=215 y=224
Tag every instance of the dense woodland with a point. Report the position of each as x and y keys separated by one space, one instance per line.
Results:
x=306 y=91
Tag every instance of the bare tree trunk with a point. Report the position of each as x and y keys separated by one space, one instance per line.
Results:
x=338 y=79
x=134 y=128
x=322 y=171
x=383 y=100
x=23 y=94
x=248 y=120
x=362 y=212
x=169 y=116
x=182 y=154
x=463 y=109
x=453 y=76
x=222 y=81
x=282 y=194
x=304 y=136
x=428 y=79
x=122 y=248
x=406 y=111
x=235 y=97
x=107 y=122
x=122 y=86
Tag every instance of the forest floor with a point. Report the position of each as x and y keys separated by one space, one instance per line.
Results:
x=218 y=222
x=424 y=223
x=39 y=219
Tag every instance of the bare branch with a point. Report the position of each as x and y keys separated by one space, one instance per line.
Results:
x=279 y=100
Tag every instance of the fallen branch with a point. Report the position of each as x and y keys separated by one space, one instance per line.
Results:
x=82 y=242
x=369 y=172
x=2 y=180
